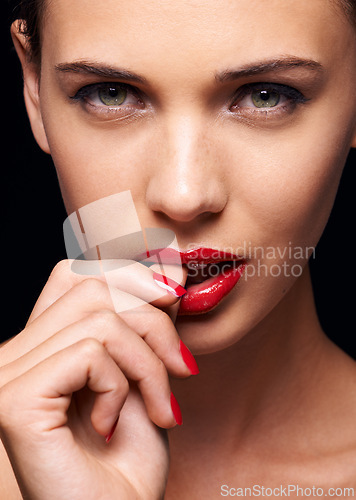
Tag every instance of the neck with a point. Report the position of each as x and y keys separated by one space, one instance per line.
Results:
x=257 y=381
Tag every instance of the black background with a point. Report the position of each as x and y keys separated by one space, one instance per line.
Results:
x=33 y=215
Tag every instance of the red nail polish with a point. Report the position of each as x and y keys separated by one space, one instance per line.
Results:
x=176 y=410
x=168 y=284
x=110 y=435
x=188 y=358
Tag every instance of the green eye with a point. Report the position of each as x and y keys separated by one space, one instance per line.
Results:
x=265 y=98
x=112 y=96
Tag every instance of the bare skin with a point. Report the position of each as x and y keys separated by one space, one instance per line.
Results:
x=275 y=400
x=257 y=441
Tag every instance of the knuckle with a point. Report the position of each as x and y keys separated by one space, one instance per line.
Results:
x=93 y=289
x=61 y=269
x=163 y=320
x=103 y=319
x=90 y=347
x=153 y=375
x=3 y=397
x=7 y=405
x=158 y=320
x=149 y=368
x=159 y=368
x=61 y=274
x=123 y=386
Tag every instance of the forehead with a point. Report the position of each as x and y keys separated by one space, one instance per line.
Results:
x=193 y=34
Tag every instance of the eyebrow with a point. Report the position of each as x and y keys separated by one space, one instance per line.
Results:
x=93 y=68
x=268 y=66
x=98 y=69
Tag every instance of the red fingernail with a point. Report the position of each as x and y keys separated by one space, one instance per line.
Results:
x=188 y=358
x=168 y=284
x=176 y=410
x=110 y=435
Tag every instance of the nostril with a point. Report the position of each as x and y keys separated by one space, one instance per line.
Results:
x=185 y=209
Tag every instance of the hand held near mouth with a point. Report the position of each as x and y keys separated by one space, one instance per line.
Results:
x=83 y=377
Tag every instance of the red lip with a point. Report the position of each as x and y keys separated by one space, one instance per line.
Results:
x=202 y=297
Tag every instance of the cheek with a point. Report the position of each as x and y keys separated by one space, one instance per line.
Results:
x=94 y=162
x=285 y=184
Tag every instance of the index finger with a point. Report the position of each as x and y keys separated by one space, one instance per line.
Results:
x=131 y=277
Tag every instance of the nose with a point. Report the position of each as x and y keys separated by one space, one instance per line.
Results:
x=187 y=180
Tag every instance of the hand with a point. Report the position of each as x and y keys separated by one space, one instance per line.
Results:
x=71 y=373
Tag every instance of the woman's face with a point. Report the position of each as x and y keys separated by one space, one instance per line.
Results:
x=231 y=128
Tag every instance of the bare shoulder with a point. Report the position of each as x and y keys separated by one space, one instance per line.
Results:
x=8 y=484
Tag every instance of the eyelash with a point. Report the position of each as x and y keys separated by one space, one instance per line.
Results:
x=90 y=92
x=292 y=97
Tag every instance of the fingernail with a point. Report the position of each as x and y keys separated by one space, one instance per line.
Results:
x=168 y=284
x=188 y=358
x=110 y=435
x=176 y=410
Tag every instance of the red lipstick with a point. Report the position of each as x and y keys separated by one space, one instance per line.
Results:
x=212 y=274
